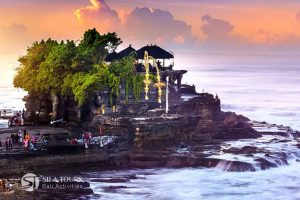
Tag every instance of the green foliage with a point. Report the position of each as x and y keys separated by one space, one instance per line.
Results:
x=138 y=84
x=78 y=71
x=93 y=48
x=56 y=67
x=26 y=77
x=83 y=84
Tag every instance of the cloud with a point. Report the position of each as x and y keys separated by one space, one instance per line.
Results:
x=216 y=29
x=98 y=14
x=265 y=37
x=298 y=16
x=143 y=25
x=140 y=25
x=155 y=25
x=16 y=29
x=13 y=37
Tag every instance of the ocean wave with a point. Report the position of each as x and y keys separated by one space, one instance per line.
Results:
x=285 y=114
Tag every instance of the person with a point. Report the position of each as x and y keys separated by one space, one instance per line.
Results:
x=10 y=143
x=2 y=185
x=4 y=112
x=27 y=136
x=0 y=113
x=12 y=137
x=24 y=133
x=86 y=145
x=6 y=143
x=87 y=137
x=26 y=142
x=7 y=186
x=101 y=129
x=20 y=138
x=45 y=143
x=0 y=143
x=34 y=143
x=158 y=63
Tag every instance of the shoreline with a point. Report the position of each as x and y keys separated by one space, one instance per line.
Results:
x=201 y=155
x=123 y=157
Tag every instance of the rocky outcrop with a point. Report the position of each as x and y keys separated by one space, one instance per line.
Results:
x=198 y=119
x=38 y=108
x=41 y=109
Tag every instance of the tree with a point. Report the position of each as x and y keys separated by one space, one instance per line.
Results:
x=76 y=71
x=93 y=48
x=27 y=75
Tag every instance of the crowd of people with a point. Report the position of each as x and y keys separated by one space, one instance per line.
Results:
x=21 y=138
x=4 y=185
x=4 y=112
x=17 y=118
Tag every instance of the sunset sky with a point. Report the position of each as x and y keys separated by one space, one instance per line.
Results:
x=220 y=26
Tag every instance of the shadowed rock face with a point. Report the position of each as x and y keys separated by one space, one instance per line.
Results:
x=197 y=119
x=38 y=108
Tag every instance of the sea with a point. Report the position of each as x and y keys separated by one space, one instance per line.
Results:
x=261 y=87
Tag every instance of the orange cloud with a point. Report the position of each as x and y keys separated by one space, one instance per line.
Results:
x=98 y=14
x=144 y=25
x=216 y=29
x=13 y=38
x=140 y=25
x=298 y=16
x=265 y=37
x=179 y=39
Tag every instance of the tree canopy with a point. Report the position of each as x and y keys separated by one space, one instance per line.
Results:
x=78 y=70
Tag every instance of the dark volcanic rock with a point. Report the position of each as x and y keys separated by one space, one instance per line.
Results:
x=114 y=189
x=244 y=150
x=239 y=131
x=235 y=166
x=111 y=180
x=265 y=164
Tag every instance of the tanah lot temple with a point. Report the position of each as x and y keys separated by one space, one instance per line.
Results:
x=159 y=90
x=155 y=61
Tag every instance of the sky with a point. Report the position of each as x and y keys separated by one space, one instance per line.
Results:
x=204 y=26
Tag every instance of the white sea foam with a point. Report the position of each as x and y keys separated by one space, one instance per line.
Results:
x=207 y=184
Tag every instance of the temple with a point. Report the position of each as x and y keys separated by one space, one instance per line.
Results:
x=160 y=63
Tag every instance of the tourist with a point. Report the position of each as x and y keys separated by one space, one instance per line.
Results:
x=10 y=143
x=34 y=143
x=44 y=144
x=86 y=138
x=2 y=185
x=20 y=138
x=27 y=136
x=24 y=133
x=101 y=129
x=26 y=141
x=7 y=186
x=23 y=114
x=31 y=146
x=6 y=143
x=86 y=145
x=74 y=141
x=12 y=138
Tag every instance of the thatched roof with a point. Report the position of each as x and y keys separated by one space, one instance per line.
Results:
x=154 y=51
x=112 y=56
x=126 y=52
